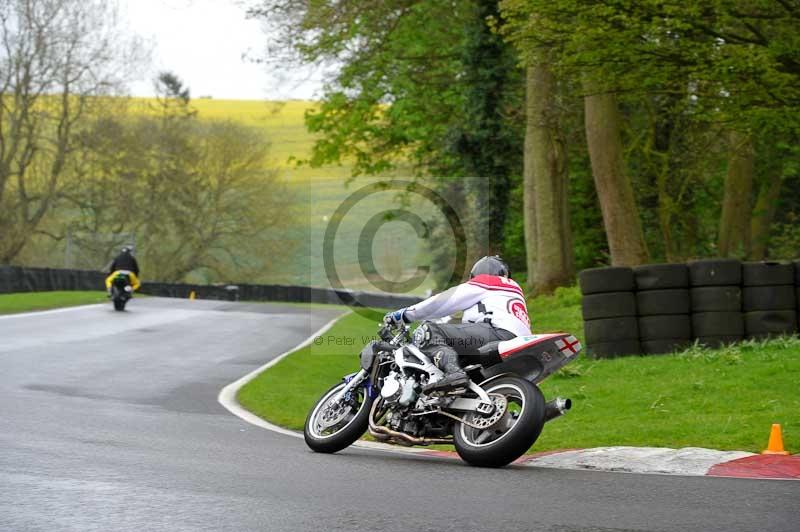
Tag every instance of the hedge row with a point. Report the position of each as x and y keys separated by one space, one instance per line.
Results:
x=658 y=308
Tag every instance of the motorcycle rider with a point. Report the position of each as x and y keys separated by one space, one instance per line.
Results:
x=494 y=309
x=125 y=263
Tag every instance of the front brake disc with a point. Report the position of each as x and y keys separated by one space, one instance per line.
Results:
x=333 y=415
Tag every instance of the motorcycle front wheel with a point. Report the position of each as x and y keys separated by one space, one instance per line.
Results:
x=332 y=426
x=502 y=438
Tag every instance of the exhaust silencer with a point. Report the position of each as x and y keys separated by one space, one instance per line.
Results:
x=556 y=408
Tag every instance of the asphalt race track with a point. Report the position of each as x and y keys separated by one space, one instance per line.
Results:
x=110 y=421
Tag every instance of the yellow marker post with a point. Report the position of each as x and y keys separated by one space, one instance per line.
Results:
x=192 y=295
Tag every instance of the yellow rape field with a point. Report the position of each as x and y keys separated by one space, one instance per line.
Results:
x=282 y=122
x=283 y=125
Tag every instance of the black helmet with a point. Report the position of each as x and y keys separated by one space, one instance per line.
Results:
x=493 y=265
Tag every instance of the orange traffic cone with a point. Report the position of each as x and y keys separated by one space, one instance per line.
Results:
x=775 y=445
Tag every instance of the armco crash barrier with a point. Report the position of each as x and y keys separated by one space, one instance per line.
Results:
x=19 y=279
x=714 y=301
x=23 y=279
x=289 y=294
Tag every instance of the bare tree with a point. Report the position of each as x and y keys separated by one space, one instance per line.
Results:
x=199 y=196
x=56 y=58
x=228 y=217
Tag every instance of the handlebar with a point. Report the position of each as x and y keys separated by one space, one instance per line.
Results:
x=392 y=335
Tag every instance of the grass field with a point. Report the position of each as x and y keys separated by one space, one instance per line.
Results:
x=25 y=302
x=724 y=399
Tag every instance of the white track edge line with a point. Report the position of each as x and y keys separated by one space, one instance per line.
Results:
x=227 y=396
x=50 y=311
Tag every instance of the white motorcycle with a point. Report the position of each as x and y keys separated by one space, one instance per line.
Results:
x=492 y=420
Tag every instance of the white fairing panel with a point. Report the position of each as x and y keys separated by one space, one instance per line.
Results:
x=567 y=344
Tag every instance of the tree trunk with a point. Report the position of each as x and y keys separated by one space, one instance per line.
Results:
x=529 y=199
x=614 y=190
x=545 y=174
x=763 y=214
x=734 y=229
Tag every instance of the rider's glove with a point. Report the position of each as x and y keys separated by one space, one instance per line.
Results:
x=396 y=318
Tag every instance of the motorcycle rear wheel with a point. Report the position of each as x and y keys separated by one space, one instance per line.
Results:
x=513 y=434
x=330 y=427
x=118 y=300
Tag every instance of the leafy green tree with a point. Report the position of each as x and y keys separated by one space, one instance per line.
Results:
x=777 y=168
x=722 y=65
x=395 y=93
x=422 y=86
x=487 y=143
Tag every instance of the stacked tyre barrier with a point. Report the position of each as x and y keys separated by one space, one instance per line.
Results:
x=610 y=320
x=716 y=301
x=769 y=299
x=797 y=289
x=663 y=305
x=661 y=308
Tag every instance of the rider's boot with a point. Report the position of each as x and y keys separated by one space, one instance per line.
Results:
x=454 y=376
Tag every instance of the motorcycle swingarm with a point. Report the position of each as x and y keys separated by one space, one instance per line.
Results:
x=464 y=405
x=482 y=404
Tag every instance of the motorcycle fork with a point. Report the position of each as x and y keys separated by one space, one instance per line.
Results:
x=350 y=385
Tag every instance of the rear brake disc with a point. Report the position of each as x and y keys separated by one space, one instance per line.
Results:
x=500 y=407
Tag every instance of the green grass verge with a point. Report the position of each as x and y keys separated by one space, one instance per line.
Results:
x=286 y=392
x=724 y=399
x=560 y=312
x=28 y=301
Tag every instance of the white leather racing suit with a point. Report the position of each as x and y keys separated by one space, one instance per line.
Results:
x=498 y=301
x=494 y=310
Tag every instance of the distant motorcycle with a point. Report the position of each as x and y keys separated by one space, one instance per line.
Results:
x=491 y=421
x=121 y=289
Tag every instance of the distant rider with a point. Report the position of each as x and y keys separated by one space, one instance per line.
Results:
x=125 y=263
x=494 y=309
